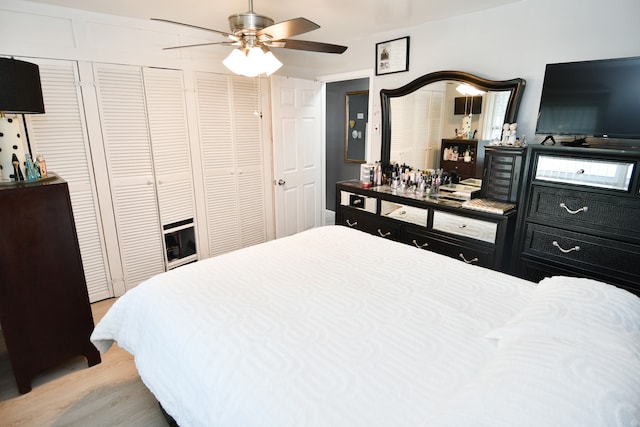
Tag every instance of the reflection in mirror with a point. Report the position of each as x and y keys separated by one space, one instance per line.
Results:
x=356 y=107
x=417 y=116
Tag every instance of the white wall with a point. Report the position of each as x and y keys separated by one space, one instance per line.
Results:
x=515 y=40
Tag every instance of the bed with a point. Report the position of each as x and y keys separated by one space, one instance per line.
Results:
x=335 y=327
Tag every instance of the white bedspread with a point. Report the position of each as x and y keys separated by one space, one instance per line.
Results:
x=334 y=327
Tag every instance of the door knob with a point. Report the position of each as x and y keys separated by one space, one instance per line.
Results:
x=281 y=182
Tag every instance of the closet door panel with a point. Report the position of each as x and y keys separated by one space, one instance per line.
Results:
x=122 y=108
x=249 y=159
x=222 y=214
x=60 y=134
x=140 y=242
x=232 y=160
x=168 y=127
x=218 y=162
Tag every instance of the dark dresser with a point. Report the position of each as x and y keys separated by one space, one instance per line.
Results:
x=428 y=223
x=580 y=215
x=44 y=304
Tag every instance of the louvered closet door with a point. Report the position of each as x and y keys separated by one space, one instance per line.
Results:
x=232 y=161
x=122 y=109
x=164 y=90
x=249 y=159
x=60 y=134
x=435 y=120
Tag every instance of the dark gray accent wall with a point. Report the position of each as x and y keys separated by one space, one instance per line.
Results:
x=337 y=168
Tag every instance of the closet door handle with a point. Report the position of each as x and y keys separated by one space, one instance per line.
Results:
x=387 y=234
x=573 y=212
x=418 y=245
x=470 y=261
x=351 y=224
x=565 y=251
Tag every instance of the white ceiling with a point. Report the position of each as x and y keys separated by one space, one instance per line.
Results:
x=340 y=20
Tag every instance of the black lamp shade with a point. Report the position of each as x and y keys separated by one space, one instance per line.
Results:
x=20 y=90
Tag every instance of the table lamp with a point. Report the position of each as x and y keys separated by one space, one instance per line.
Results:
x=20 y=93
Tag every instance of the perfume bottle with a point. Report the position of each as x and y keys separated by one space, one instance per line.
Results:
x=30 y=169
x=42 y=165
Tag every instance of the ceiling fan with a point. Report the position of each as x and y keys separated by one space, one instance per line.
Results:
x=253 y=35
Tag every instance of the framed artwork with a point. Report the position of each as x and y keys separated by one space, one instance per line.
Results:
x=392 y=56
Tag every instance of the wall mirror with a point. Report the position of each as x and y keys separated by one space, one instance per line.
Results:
x=356 y=107
x=418 y=115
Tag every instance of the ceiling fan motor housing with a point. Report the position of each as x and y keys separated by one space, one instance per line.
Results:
x=248 y=23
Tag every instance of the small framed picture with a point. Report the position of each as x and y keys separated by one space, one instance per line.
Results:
x=392 y=56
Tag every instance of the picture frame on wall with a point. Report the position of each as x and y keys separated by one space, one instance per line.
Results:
x=392 y=56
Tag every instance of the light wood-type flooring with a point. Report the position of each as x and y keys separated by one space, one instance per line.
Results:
x=108 y=394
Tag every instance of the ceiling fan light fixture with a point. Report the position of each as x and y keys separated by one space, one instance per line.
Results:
x=252 y=62
x=236 y=61
x=468 y=90
x=271 y=63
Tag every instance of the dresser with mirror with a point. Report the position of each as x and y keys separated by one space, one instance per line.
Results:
x=434 y=221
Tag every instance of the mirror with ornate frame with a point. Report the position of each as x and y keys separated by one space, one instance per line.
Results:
x=404 y=106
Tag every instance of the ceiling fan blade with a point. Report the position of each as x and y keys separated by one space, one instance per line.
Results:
x=196 y=45
x=229 y=35
x=288 y=28
x=309 y=45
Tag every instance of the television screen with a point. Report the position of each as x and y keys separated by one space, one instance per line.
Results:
x=591 y=98
x=467 y=104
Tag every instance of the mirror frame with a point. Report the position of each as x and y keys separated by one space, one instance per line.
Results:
x=515 y=86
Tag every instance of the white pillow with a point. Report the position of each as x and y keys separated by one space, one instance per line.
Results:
x=579 y=311
x=536 y=381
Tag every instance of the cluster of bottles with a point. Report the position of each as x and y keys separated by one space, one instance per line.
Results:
x=35 y=169
x=425 y=182
x=453 y=154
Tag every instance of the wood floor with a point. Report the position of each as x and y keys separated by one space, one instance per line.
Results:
x=108 y=394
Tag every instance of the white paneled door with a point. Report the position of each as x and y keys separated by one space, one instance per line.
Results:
x=61 y=136
x=297 y=140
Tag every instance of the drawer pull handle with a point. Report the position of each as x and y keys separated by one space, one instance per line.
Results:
x=582 y=209
x=462 y=226
x=565 y=251
x=387 y=234
x=352 y=224
x=419 y=246
x=579 y=171
x=470 y=261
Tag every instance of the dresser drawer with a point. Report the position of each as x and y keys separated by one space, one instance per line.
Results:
x=370 y=223
x=471 y=254
x=358 y=201
x=604 y=256
x=573 y=208
x=600 y=173
x=463 y=226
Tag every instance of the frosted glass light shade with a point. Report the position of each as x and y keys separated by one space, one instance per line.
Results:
x=271 y=63
x=252 y=62
x=468 y=90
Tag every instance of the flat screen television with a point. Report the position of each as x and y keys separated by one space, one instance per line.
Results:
x=467 y=104
x=591 y=99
